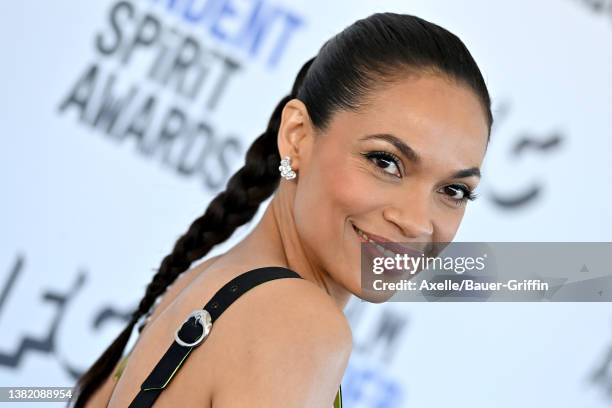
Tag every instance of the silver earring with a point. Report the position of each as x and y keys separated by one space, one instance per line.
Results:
x=285 y=168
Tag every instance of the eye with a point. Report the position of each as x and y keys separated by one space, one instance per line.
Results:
x=459 y=193
x=385 y=162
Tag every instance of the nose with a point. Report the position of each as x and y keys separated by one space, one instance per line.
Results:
x=413 y=218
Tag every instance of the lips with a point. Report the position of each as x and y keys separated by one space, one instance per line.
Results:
x=395 y=247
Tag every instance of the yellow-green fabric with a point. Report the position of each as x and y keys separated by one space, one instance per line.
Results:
x=120 y=367
x=338 y=400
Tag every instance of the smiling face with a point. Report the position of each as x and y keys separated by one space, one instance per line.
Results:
x=402 y=169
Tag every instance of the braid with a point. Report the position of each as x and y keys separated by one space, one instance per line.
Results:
x=238 y=204
x=235 y=206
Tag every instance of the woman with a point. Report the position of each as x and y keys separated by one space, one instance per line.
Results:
x=384 y=131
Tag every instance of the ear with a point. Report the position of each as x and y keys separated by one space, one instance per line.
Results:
x=295 y=132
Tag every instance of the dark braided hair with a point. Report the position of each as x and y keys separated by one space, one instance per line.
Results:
x=366 y=55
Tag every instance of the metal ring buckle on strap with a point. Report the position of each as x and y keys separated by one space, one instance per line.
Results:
x=203 y=318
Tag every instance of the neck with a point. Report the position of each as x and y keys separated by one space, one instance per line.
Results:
x=276 y=241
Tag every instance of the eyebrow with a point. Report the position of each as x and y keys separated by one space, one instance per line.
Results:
x=412 y=156
x=398 y=143
x=472 y=171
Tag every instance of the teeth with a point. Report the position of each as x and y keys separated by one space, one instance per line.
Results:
x=386 y=252
x=363 y=235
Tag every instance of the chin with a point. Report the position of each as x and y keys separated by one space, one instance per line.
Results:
x=374 y=296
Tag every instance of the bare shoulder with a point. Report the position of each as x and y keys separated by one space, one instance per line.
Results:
x=283 y=343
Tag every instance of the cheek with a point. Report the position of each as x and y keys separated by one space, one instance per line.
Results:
x=331 y=192
x=346 y=190
x=446 y=223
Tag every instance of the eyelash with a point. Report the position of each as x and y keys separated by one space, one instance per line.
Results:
x=387 y=156
x=468 y=194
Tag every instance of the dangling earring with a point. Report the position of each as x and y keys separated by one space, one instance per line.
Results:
x=285 y=168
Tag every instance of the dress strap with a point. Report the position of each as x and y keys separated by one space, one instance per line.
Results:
x=196 y=328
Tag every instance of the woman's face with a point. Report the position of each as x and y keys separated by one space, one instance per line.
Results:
x=401 y=169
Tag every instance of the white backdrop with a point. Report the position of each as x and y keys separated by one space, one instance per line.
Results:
x=89 y=208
